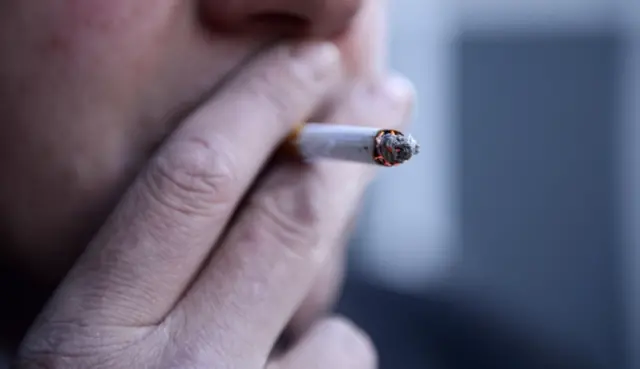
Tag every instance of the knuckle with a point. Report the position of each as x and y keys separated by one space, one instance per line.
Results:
x=290 y=214
x=188 y=343
x=192 y=176
x=351 y=339
x=262 y=91
x=284 y=85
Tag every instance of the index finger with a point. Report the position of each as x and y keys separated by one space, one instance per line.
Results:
x=154 y=243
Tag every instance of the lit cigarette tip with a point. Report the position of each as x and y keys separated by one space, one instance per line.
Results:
x=394 y=148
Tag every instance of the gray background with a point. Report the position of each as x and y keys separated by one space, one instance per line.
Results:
x=526 y=206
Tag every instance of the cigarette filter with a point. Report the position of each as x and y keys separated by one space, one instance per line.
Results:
x=385 y=147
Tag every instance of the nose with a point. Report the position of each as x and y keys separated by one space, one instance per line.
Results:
x=319 y=18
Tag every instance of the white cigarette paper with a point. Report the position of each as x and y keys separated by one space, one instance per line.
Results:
x=353 y=143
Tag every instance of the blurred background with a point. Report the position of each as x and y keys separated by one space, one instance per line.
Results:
x=513 y=240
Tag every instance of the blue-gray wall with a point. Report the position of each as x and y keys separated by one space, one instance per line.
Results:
x=537 y=168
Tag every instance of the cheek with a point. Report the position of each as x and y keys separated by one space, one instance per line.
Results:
x=86 y=96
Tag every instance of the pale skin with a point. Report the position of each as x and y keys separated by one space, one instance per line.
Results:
x=182 y=250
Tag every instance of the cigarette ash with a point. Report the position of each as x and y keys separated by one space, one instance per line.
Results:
x=396 y=148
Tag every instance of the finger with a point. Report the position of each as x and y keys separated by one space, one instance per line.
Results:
x=153 y=244
x=326 y=288
x=332 y=343
x=288 y=228
x=365 y=45
x=321 y=296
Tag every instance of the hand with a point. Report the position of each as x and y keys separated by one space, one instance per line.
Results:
x=186 y=275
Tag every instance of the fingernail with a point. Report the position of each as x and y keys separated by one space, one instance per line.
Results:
x=318 y=53
x=393 y=88
x=398 y=87
x=400 y=93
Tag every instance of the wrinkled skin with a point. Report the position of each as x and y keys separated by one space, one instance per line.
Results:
x=89 y=90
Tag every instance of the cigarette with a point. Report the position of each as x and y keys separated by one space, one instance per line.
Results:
x=384 y=147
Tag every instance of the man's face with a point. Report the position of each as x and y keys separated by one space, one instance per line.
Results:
x=88 y=89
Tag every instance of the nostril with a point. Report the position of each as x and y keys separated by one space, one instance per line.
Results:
x=286 y=24
x=292 y=18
